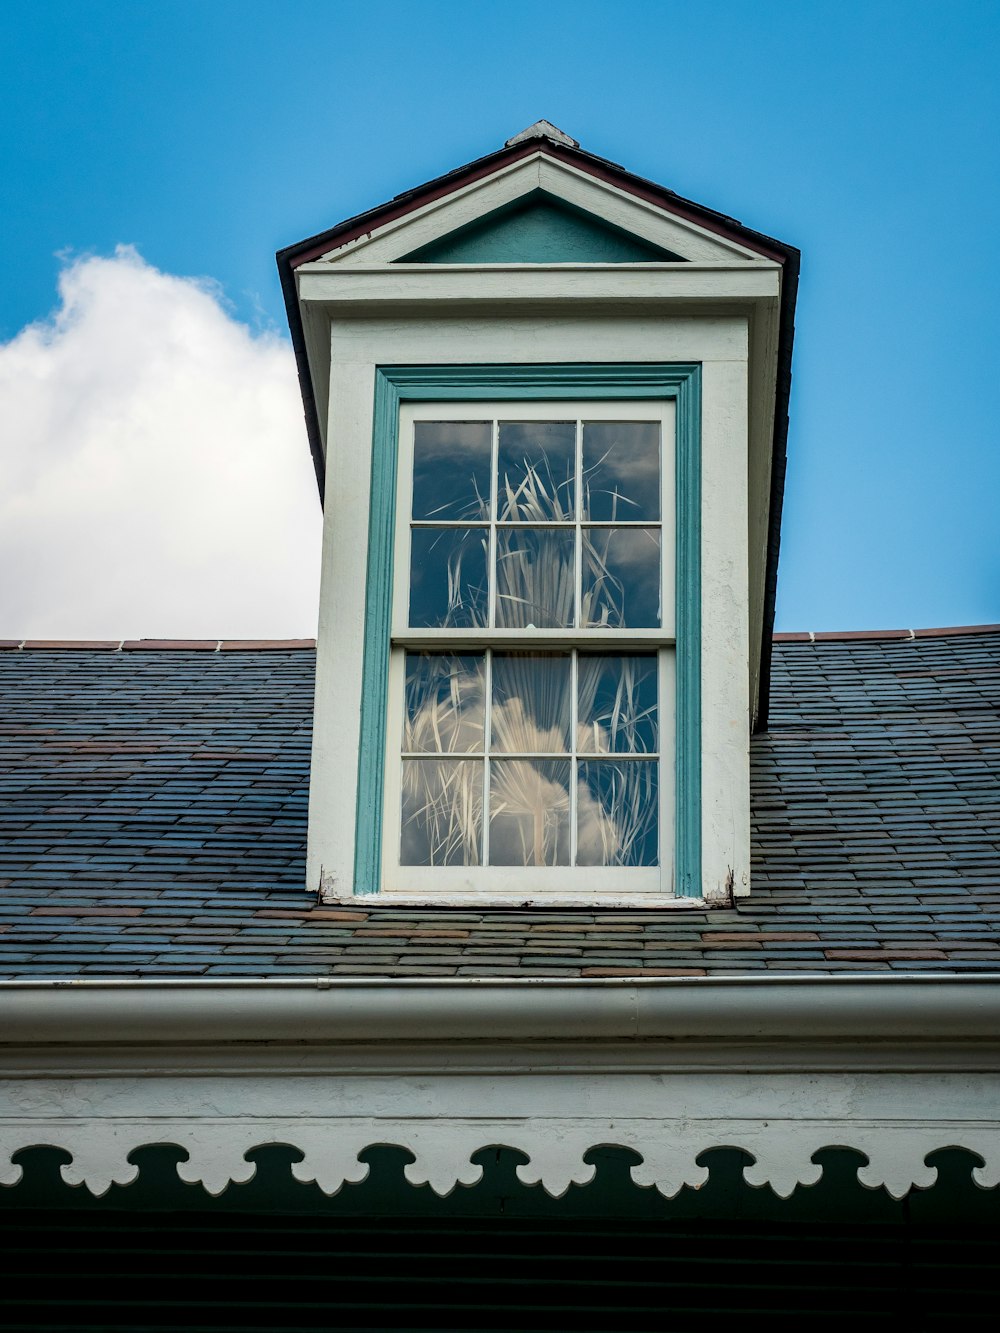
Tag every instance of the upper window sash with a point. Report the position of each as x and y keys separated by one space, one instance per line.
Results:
x=496 y=525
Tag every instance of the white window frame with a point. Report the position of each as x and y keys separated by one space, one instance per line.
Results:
x=519 y=884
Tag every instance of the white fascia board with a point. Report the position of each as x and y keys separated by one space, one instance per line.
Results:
x=433 y=220
x=575 y=187
x=901 y=1009
x=367 y=289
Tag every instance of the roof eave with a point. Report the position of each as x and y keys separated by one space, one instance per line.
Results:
x=918 y=1008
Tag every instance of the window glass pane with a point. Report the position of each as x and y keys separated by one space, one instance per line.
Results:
x=537 y=467
x=448 y=577
x=536 y=578
x=621 y=471
x=442 y=812
x=532 y=703
x=445 y=702
x=452 y=461
x=621 y=578
x=529 y=812
x=617 y=704
x=617 y=810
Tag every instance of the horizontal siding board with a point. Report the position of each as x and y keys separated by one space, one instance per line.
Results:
x=240 y=1272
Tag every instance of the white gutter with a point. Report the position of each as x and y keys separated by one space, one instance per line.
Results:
x=920 y=1008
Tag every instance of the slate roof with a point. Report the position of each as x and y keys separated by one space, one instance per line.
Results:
x=153 y=822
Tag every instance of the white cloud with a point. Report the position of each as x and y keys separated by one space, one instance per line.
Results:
x=155 y=479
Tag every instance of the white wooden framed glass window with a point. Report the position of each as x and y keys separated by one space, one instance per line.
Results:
x=530 y=725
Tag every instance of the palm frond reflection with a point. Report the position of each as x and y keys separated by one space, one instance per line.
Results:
x=617 y=708
x=442 y=812
x=529 y=812
x=445 y=703
x=617 y=813
x=532 y=703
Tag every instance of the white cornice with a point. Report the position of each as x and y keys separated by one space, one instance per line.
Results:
x=372 y=290
x=896 y=1068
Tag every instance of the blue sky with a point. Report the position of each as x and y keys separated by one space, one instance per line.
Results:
x=208 y=134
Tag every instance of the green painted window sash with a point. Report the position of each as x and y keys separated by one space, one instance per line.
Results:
x=542 y=383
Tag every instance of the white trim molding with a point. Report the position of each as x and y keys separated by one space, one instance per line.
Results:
x=893 y=1068
x=507 y=185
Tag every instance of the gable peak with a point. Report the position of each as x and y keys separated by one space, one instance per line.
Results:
x=542 y=129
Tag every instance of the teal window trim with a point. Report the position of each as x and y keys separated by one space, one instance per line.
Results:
x=541 y=383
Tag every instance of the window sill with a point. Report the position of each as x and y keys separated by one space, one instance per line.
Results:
x=539 y=901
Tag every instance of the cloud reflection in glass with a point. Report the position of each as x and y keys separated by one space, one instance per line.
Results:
x=621 y=472
x=529 y=795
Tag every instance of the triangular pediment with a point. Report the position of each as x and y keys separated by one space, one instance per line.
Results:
x=540 y=229
x=536 y=209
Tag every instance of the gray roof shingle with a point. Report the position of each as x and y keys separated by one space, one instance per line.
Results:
x=153 y=821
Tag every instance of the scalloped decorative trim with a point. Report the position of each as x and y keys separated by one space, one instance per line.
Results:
x=783 y=1152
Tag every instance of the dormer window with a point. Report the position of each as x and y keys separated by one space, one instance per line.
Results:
x=531 y=679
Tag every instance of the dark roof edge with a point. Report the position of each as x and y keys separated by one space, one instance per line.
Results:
x=779 y=466
x=287 y=277
x=790 y=259
x=289 y=258
x=363 y=223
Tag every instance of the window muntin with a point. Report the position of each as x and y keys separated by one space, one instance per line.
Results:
x=540 y=579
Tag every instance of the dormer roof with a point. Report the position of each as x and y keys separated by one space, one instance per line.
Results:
x=561 y=205
x=559 y=149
